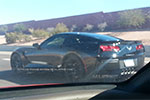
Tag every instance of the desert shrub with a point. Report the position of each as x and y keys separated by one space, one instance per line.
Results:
x=73 y=28
x=14 y=37
x=131 y=18
x=88 y=27
x=27 y=38
x=39 y=33
x=60 y=27
x=11 y=37
x=102 y=26
x=19 y=28
x=50 y=30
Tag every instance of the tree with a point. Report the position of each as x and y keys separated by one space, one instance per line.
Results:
x=19 y=28
x=88 y=27
x=3 y=29
x=60 y=27
x=102 y=26
x=131 y=18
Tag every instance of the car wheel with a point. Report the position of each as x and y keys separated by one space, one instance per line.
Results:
x=16 y=62
x=74 y=69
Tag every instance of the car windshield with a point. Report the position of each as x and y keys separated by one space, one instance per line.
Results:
x=72 y=41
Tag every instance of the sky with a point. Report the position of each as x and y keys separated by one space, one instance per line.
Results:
x=12 y=11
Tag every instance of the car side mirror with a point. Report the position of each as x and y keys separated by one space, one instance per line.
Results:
x=36 y=45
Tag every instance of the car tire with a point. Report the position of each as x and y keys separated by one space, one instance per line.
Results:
x=16 y=62
x=74 y=69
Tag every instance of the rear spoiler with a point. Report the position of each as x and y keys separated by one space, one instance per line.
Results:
x=123 y=41
x=136 y=41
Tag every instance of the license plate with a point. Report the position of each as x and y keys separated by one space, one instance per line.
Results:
x=129 y=63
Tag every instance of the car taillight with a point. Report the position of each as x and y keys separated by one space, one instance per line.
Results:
x=138 y=47
x=109 y=48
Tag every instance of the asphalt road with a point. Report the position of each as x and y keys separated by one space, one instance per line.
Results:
x=9 y=78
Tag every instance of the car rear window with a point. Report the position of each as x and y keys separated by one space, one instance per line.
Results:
x=107 y=38
x=103 y=37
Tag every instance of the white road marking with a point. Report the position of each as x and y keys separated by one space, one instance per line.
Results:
x=6 y=59
x=6 y=53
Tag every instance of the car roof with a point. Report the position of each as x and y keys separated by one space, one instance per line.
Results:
x=93 y=35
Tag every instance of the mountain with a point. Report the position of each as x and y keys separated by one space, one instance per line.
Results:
x=110 y=18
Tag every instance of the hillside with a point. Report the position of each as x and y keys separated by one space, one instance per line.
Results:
x=111 y=18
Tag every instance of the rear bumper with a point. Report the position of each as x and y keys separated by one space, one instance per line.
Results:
x=117 y=66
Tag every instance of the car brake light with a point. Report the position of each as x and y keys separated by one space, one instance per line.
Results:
x=109 y=48
x=138 y=47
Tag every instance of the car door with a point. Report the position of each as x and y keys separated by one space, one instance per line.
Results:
x=50 y=52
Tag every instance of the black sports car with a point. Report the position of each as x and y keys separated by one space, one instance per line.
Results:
x=80 y=54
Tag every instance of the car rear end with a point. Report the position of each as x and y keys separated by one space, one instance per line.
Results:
x=120 y=57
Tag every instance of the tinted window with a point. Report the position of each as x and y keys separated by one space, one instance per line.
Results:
x=87 y=40
x=82 y=43
x=71 y=40
x=53 y=42
x=88 y=44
